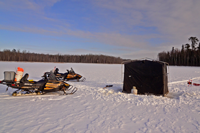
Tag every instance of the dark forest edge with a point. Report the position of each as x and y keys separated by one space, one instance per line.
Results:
x=189 y=55
x=24 y=56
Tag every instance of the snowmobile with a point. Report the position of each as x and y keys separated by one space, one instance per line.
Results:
x=69 y=75
x=48 y=83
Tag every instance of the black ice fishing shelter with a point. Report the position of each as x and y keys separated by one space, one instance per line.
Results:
x=149 y=77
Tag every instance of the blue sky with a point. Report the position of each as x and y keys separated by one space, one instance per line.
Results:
x=128 y=29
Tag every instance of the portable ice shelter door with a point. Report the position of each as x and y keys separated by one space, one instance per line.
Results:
x=149 y=77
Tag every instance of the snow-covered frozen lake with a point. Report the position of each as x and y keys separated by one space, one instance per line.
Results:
x=93 y=109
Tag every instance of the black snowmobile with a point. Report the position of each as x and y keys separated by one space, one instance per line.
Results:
x=69 y=75
x=49 y=83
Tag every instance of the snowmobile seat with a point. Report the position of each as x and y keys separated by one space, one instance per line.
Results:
x=24 y=79
x=56 y=71
x=40 y=84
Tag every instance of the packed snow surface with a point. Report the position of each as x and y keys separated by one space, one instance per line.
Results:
x=93 y=109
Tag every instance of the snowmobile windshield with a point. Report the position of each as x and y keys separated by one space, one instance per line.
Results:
x=52 y=76
x=72 y=71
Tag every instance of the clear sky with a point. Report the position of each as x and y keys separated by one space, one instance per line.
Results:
x=130 y=29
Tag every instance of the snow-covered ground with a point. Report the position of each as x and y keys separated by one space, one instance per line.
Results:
x=93 y=109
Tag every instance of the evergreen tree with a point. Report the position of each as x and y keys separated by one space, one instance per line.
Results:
x=189 y=55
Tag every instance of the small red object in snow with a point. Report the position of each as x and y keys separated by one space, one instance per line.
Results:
x=189 y=82
x=196 y=84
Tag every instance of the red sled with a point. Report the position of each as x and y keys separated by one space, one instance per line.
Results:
x=196 y=84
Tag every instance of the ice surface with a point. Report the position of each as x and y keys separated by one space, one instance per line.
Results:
x=97 y=110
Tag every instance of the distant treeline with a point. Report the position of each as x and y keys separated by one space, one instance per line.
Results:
x=189 y=55
x=8 y=55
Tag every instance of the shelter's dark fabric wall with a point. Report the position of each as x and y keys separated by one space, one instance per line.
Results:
x=147 y=76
